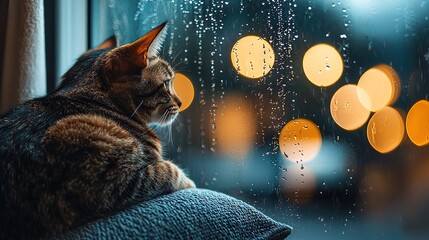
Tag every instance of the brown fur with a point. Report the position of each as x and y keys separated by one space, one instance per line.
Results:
x=86 y=150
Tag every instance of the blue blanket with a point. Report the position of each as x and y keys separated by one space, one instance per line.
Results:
x=186 y=214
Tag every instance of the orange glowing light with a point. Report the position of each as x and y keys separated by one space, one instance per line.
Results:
x=385 y=130
x=418 y=123
x=235 y=127
x=300 y=140
x=252 y=57
x=323 y=65
x=184 y=89
x=378 y=87
x=346 y=109
x=299 y=184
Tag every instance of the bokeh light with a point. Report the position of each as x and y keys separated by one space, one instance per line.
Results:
x=346 y=109
x=235 y=127
x=378 y=87
x=300 y=140
x=299 y=184
x=184 y=89
x=418 y=123
x=252 y=57
x=323 y=65
x=385 y=130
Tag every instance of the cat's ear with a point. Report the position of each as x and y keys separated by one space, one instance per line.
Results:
x=133 y=56
x=108 y=43
x=148 y=46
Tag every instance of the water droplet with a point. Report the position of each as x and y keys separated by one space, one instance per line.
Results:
x=284 y=153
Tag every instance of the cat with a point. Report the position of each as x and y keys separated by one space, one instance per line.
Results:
x=86 y=150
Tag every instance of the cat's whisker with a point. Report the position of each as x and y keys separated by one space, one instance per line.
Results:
x=161 y=120
x=156 y=126
x=167 y=10
x=176 y=54
x=170 y=135
x=179 y=66
x=135 y=111
x=168 y=112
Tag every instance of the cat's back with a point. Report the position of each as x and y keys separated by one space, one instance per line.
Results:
x=21 y=130
x=25 y=169
x=22 y=127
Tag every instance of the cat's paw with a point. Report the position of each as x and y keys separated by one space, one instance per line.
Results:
x=169 y=172
x=183 y=181
x=187 y=183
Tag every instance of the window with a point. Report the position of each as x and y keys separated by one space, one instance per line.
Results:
x=315 y=112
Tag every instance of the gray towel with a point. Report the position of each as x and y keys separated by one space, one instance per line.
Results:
x=186 y=214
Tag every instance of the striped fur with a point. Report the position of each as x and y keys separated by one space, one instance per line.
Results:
x=86 y=150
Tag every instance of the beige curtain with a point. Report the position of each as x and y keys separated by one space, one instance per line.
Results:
x=23 y=70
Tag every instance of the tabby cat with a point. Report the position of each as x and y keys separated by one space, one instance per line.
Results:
x=86 y=150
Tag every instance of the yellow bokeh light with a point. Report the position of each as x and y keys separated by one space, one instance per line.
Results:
x=184 y=89
x=252 y=57
x=378 y=87
x=323 y=65
x=346 y=109
x=418 y=123
x=300 y=140
x=235 y=127
x=385 y=130
x=299 y=184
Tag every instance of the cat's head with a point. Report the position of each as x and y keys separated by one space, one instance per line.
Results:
x=138 y=81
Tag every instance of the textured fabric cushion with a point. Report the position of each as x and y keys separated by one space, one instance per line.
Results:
x=186 y=214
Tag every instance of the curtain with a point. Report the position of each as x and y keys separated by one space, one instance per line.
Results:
x=41 y=39
x=23 y=69
x=3 y=17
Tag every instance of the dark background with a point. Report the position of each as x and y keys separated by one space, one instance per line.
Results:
x=353 y=191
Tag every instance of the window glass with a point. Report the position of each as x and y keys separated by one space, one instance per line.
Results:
x=315 y=112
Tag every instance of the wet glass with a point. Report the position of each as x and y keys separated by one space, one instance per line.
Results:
x=313 y=111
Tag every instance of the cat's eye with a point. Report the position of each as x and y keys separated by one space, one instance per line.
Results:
x=166 y=83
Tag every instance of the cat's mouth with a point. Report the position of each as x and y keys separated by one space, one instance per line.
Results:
x=169 y=116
